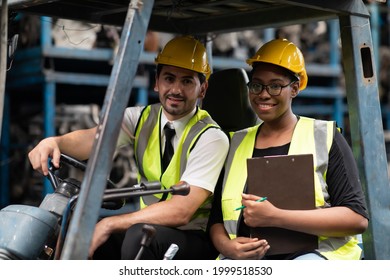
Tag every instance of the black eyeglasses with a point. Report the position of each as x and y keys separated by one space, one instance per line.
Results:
x=272 y=89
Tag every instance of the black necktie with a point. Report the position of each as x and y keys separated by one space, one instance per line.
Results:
x=168 y=151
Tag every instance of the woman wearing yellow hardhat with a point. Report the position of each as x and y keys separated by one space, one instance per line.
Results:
x=285 y=54
x=277 y=76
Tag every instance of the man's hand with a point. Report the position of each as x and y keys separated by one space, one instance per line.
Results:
x=77 y=144
x=101 y=234
x=39 y=156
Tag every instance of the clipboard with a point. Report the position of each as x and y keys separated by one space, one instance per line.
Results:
x=288 y=183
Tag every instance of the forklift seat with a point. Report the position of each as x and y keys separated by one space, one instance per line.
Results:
x=227 y=100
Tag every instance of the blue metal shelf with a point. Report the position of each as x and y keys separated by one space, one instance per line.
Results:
x=28 y=70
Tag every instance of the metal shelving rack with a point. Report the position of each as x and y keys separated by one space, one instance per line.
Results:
x=29 y=70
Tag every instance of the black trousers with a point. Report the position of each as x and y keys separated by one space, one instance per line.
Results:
x=193 y=245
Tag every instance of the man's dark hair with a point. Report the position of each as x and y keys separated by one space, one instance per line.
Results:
x=202 y=77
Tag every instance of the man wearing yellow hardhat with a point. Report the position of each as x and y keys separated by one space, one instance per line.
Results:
x=278 y=74
x=199 y=149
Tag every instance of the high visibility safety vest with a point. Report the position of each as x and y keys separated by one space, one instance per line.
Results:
x=310 y=137
x=148 y=154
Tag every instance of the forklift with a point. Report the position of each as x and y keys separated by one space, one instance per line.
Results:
x=202 y=18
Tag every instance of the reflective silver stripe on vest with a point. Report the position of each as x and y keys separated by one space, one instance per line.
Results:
x=195 y=130
x=231 y=226
x=322 y=154
x=145 y=131
x=235 y=143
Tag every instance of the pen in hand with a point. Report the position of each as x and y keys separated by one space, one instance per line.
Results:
x=259 y=200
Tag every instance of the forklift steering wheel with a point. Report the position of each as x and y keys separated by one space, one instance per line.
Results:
x=55 y=180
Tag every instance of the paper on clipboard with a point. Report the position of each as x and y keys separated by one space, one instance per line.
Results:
x=288 y=183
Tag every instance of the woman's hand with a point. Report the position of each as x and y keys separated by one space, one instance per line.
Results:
x=244 y=248
x=258 y=214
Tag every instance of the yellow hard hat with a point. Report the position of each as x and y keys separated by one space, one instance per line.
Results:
x=285 y=54
x=185 y=52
